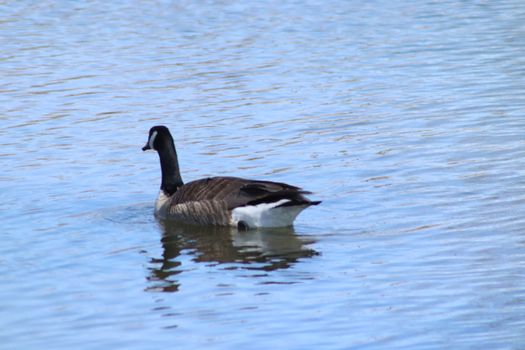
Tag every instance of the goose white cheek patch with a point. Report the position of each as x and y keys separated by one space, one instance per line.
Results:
x=152 y=139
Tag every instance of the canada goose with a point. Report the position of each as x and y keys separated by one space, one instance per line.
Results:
x=221 y=201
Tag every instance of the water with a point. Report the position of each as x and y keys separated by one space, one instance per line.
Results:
x=405 y=119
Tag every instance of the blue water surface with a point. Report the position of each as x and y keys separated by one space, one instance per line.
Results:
x=405 y=118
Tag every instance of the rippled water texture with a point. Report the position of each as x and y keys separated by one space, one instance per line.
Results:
x=405 y=118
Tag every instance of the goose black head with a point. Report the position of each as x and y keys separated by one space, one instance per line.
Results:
x=157 y=136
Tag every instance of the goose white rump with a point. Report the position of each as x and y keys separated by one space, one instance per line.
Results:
x=267 y=214
x=221 y=201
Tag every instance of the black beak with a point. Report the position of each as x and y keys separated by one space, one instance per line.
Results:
x=147 y=147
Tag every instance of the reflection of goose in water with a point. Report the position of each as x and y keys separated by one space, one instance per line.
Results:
x=263 y=249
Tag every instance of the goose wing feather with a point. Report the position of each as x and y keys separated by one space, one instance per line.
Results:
x=238 y=192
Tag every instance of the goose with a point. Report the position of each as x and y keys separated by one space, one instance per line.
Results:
x=222 y=200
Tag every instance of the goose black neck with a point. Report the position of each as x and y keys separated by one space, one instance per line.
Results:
x=169 y=164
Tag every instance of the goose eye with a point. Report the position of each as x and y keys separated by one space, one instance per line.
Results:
x=152 y=139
